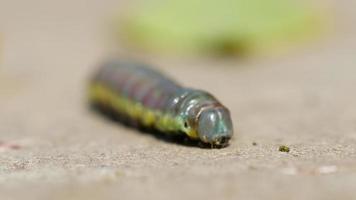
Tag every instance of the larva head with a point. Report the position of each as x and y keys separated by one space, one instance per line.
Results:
x=214 y=126
x=204 y=118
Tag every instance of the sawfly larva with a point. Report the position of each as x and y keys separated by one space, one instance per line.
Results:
x=148 y=99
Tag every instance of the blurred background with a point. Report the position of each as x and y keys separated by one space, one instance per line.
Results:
x=285 y=69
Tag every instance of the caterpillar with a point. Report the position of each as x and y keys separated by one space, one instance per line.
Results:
x=149 y=99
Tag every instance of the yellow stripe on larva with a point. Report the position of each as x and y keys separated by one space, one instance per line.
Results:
x=135 y=110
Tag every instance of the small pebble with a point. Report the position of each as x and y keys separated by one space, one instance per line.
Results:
x=284 y=148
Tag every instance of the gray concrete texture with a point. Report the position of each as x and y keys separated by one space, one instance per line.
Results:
x=53 y=147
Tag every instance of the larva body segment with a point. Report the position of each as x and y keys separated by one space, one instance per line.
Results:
x=148 y=98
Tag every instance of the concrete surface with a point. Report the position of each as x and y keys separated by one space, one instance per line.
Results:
x=53 y=147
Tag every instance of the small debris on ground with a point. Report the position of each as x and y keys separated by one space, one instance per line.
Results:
x=5 y=146
x=284 y=148
x=254 y=143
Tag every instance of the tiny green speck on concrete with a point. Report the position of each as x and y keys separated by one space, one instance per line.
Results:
x=284 y=148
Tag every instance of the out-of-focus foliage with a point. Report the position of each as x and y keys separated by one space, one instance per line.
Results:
x=219 y=26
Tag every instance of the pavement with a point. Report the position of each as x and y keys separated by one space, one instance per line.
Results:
x=53 y=147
